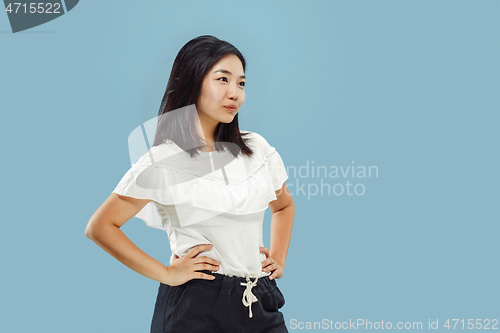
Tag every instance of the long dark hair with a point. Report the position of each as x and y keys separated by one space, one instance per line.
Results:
x=191 y=64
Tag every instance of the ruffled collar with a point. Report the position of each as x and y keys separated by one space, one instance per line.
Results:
x=205 y=186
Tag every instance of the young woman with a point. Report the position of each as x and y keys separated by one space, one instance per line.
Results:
x=207 y=184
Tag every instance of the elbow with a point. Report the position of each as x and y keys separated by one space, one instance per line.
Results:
x=88 y=232
x=95 y=229
x=289 y=204
x=290 y=208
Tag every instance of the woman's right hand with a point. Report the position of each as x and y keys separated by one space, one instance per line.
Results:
x=184 y=269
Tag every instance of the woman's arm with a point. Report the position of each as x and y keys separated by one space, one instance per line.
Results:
x=283 y=210
x=104 y=229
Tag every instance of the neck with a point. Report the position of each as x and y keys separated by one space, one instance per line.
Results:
x=207 y=130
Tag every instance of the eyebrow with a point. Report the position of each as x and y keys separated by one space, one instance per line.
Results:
x=225 y=71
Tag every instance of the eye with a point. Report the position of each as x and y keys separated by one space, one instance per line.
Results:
x=222 y=78
x=242 y=83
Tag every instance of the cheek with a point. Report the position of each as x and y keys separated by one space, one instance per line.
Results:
x=213 y=92
x=208 y=94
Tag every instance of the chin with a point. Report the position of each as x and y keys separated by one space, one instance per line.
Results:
x=227 y=119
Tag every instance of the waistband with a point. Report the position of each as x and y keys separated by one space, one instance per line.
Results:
x=249 y=287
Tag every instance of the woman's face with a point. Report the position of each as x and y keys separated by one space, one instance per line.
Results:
x=222 y=92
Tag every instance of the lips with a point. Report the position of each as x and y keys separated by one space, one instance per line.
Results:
x=230 y=108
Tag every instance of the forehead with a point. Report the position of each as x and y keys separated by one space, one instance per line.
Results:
x=230 y=62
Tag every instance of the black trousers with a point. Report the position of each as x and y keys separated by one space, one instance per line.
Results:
x=217 y=306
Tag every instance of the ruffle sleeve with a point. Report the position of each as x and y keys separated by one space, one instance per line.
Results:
x=273 y=161
x=276 y=169
x=147 y=179
x=134 y=184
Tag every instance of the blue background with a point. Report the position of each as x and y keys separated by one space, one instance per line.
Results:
x=411 y=87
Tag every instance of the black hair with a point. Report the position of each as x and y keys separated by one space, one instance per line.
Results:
x=190 y=67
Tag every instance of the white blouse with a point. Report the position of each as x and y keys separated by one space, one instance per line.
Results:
x=213 y=198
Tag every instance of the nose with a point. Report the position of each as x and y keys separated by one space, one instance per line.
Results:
x=232 y=92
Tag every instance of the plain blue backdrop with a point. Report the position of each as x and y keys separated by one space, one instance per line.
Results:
x=410 y=87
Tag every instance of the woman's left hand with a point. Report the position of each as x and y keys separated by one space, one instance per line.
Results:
x=269 y=264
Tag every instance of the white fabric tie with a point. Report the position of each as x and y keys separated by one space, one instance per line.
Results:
x=248 y=297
